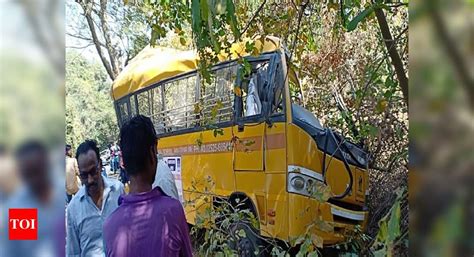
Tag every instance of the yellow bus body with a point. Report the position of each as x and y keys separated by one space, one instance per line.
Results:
x=258 y=170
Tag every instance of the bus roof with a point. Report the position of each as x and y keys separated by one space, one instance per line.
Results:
x=154 y=64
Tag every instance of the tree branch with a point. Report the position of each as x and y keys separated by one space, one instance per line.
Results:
x=300 y=17
x=396 y=5
x=87 y=8
x=108 y=42
x=78 y=36
x=453 y=54
x=390 y=166
x=390 y=44
x=253 y=17
x=80 y=47
x=380 y=65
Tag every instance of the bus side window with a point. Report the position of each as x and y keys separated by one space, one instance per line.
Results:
x=123 y=111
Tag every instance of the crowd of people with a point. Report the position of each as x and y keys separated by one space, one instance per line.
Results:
x=102 y=219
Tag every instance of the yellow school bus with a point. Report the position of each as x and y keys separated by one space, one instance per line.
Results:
x=243 y=132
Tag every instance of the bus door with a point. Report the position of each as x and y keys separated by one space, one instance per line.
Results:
x=253 y=108
x=253 y=82
x=259 y=106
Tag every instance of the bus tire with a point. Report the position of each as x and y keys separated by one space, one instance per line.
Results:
x=248 y=246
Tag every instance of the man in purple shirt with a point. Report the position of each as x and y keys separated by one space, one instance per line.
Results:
x=147 y=222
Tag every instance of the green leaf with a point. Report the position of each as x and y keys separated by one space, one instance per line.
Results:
x=196 y=21
x=231 y=19
x=249 y=142
x=373 y=131
x=394 y=223
x=298 y=241
x=182 y=41
x=352 y=25
x=381 y=106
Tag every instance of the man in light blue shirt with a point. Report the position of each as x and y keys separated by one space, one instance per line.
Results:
x=93 y=203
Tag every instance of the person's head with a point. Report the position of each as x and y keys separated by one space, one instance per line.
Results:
x=68 y=150
x=88 y=161
x=138 y=144
x=33 y=165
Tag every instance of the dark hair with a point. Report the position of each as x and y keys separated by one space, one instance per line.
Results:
x=87 y=145
x=28 y=147
x=136 y=137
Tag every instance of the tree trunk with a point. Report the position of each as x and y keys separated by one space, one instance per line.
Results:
x=108 y=42
x=88 y=10
x=391 y=46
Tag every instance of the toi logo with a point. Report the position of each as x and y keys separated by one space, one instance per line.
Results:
x=23 y=224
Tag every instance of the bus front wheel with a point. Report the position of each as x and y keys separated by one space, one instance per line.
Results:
x=246 y=240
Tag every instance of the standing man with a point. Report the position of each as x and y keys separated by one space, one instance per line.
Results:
x=72 y=173
x=147 y=222
x=94 y=202
x=164 y=179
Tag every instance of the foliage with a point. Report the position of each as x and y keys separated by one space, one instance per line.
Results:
x=214 y=230
x=390 y=234
x=162 y=17
x=27 y=109
x=89 y=110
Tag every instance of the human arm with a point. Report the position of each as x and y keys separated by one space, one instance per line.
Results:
x=73 y=246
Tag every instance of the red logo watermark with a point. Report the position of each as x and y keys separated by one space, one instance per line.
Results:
x=22 y=224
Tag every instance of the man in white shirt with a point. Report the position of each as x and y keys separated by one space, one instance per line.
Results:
x=165 y=180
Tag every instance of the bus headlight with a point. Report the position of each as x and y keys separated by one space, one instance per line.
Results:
x=303 y=184
x=297 y=183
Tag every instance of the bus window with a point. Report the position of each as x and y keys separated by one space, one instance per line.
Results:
x=123 y=110
x=172 y=104
x=157 y=107
x=133 y=108
x=218 y=96
x=144 y=107
x=278 y=99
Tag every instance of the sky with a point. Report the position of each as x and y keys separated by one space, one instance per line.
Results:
x=16 y=35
